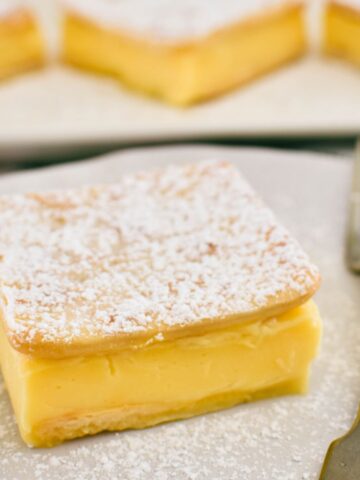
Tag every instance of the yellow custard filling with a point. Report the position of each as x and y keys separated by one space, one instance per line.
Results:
x=342 y=32
x=21 y=44
x=193 y=70
x=59 y=399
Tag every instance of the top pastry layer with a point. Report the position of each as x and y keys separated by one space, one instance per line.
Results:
x=169 y=21
x=159 y=255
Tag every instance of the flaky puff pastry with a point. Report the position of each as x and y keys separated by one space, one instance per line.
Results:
x=159 y=255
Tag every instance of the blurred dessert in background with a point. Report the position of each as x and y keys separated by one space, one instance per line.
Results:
x=182 y=52
x=342 y=29
x=21 y=43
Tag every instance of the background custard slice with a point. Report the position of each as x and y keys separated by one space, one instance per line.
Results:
x=21 y=43
x=183 y=52
x=342 y=29
x=168 y=294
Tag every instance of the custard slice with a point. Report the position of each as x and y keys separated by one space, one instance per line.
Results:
x=183 y=52
x=342 y=30
x=21 y=43
x=169 y=294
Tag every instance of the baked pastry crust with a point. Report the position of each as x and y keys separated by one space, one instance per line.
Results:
x=58 y=430
x=159 y=255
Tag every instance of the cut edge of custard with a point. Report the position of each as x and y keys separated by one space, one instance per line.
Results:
x=22 y=44
x=196 y=70
x=341 y=32
x=179 y=379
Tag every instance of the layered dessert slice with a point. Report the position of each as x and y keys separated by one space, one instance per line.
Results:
x=182 y=52
x=21 y=44
x=342 y=29
x=169 y=294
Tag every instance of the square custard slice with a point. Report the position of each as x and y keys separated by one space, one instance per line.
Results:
x=21 y=43
x=342 y=29
x=169 y=294
x=183 y=52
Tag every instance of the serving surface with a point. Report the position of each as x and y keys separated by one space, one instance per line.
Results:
x=158 y=255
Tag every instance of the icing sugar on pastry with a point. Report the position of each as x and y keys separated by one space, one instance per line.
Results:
x=157 y=250
x=166 y=20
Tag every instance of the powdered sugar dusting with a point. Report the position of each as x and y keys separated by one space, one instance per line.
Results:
x=157 y=250
x=169 y=21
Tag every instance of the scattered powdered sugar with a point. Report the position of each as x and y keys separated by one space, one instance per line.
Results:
x=280 y=439
x=169 y=21
x=157 y=250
